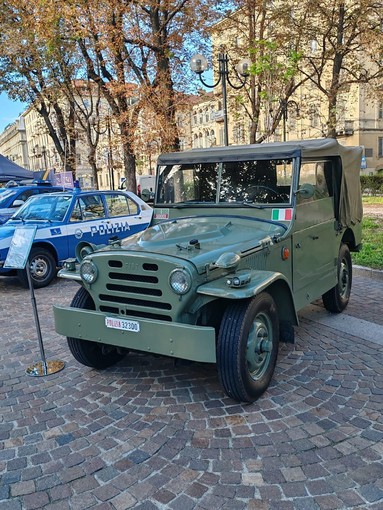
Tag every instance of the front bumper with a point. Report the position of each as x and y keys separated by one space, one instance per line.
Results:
x=185 y=341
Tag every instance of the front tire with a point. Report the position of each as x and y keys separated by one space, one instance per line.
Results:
x=88 y=353
x=336 y=299
x=247 y=347
x=42 y=266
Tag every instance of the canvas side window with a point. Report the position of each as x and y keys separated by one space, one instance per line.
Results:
x=314 y=173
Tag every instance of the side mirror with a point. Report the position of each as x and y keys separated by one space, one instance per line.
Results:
x=145 y=195
x=306 y=191
x=18 y=203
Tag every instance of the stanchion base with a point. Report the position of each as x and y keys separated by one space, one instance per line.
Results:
x=41 y=369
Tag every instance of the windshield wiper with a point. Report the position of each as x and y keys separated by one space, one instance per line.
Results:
x=250 y=204
x=191 y=203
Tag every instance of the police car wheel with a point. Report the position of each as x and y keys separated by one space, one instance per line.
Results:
x=247 y=347
x=42 y=265
x=91 y=354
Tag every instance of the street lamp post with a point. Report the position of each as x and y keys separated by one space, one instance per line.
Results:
x=285 y=105
x=108 y=130
x=41 y=152
x=199 y=64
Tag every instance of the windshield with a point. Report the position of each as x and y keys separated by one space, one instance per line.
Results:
x=44 y=207
x=228 y=183
x=5 y=195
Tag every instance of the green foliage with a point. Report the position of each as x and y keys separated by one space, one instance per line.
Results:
x=372 y=240
x=371 y=184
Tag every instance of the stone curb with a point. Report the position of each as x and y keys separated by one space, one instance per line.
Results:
x=367 y=272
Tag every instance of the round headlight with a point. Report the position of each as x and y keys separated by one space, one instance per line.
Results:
x=88 y=272
x=180 y=281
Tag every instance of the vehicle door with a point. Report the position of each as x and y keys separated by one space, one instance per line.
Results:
x=125 y=216
x=87 y=221
x=315 y=244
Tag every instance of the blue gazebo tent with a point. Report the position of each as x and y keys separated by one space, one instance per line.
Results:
x=9 y=171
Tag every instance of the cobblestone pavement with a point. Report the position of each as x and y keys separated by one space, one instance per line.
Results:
x=151 y=434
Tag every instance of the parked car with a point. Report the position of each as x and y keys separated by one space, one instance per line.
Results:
x=13 y=197
x=242 y=238
x=68 y=218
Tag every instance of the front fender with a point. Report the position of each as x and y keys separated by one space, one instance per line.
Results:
x=276 y=284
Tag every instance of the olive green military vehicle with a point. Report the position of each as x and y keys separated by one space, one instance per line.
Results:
x=242 y=238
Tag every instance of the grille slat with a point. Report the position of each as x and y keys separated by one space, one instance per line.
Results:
x=135 y=290
x=143 y=278
x=134 y=301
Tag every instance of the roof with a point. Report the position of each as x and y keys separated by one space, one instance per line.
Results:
x=9 y=170
x=350 y=196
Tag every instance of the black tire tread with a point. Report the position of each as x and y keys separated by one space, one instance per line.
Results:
x=86 y=352
x=332 y=300
x=229 y=355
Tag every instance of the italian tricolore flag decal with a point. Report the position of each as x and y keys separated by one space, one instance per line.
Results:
x=282 y=214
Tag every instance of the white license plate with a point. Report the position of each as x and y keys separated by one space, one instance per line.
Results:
x=114 y=323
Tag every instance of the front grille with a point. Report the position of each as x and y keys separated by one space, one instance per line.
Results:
x=136 y=287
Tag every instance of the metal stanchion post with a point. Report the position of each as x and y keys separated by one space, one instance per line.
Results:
x=43 y=367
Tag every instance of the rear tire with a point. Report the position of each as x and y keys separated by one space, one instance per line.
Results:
x=247 y=347
x=336 y=299
x=88 y=353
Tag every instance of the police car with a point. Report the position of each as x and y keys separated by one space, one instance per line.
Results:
x=14 y=196
x=65 y=219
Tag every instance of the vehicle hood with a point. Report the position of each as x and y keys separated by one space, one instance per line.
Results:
x=202 y=240
x=6 y=213
x=8 y=229
x=6 y=233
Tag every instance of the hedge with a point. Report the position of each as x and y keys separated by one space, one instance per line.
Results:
x=372 y=184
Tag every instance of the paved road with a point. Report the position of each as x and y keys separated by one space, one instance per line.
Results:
x=147 y=434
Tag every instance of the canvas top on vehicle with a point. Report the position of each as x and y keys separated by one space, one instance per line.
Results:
x=350 y=202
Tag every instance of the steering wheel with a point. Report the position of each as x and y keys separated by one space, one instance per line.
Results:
x=261 y=192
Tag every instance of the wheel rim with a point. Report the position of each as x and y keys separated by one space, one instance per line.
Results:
x=39 y=268
x=259 y=346
x=344 y=279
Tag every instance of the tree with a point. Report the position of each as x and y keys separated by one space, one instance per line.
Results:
x=28 y=72
x=256 y=31
x=124 y=43
x=343 y=47
x=130 y=50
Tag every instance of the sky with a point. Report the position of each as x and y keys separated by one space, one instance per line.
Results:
x=9 y=111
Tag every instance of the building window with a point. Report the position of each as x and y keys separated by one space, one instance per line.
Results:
x=380 y=111
x=380 y=147
x=368 y=152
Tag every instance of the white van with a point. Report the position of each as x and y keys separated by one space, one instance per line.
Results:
x=143 y=182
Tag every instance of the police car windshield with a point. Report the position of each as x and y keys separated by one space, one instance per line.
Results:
x=44 y=208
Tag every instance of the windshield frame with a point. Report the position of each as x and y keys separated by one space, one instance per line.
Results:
x=219 y=177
